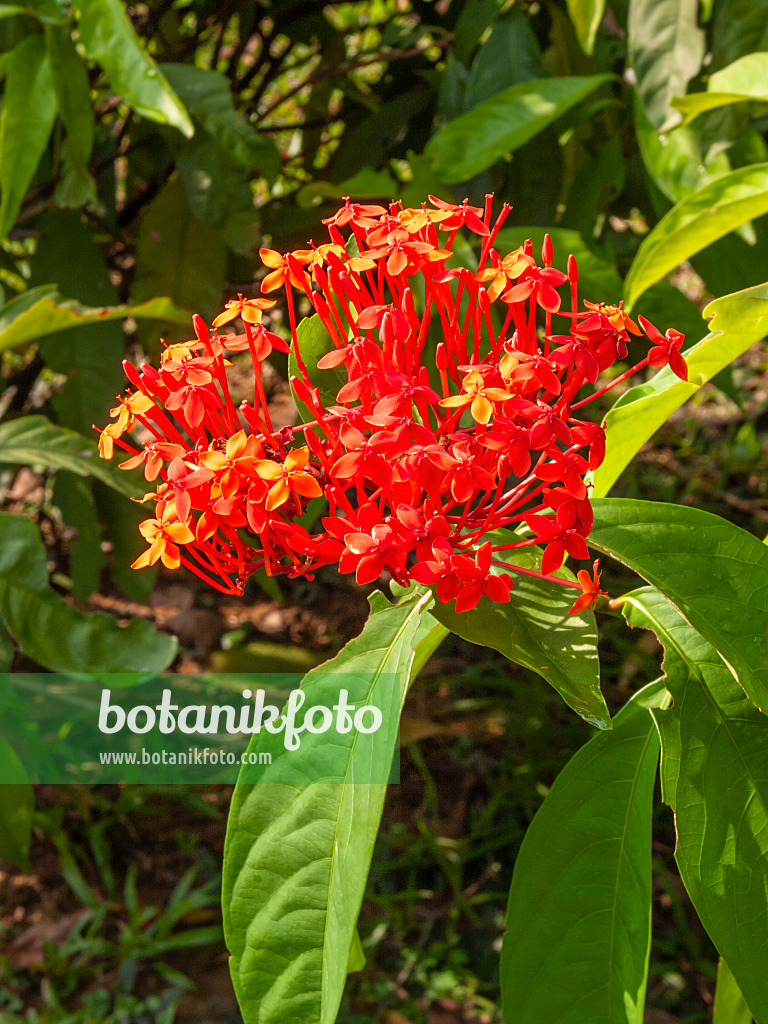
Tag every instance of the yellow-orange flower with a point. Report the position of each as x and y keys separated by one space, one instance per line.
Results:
x=249 y=310
x=236 y=462
x=164 y=536
x=477 y=396
x=290 y=480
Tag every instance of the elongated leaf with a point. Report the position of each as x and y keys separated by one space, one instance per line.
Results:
x=535 y=630
x=314 y=342
x=714 y=573
x=73 y=496
x=35 y=441
x=29 y=110
x=51 y=313
x=714 y=773
x=17 y=805
x=503 y=123
x=73 y=90
x=738 y=321
x=179 y=257
x=740 y=27
x=207 y=96
x=689 y=227
x=510 y=55
x=55 y=634
x=586 y=16
x=729 y=1007
x=741 y=82
x=109 y=39
x=579 y=913
x=89 y=356
x=666 y=48
x=297 y=856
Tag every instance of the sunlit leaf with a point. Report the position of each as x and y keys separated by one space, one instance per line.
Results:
x=579 y=913
x=29 y=110
x=714 y=773
x=689 y=227
x=503 y=123
x=297 y=856
x=738 y=321
x=713 y=572
x=109 y=39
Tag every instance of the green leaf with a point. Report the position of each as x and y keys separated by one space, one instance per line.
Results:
x=713 y=572
x=510 y=55
x=586 y=16
x=89 y=356
x=741 y=82
x=729 y=1007
x=740 y=27
x=579 y=914
x=503 y=123
x=73 y=496
x=215 y=185
x=675 y=160
x=207 y=96
x=73 y=90
x=666 y=48
x=7 y=650
x=474 y=20
x=694 y=223
x=17 y=806
x=50 y=313
x=536 y=631
x=739 y=320
x=297 y=856
x=55 y=634
x=313 y=343
x=29 y=110
x=714 y=774
x=356 y=960
x=178 y=256
x=120 y=518
x=35 y=441
x=109 y=39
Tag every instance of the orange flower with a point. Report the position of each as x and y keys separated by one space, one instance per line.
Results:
x=590 y=586
x=508 y=269
x=475 y=392
x=616 y=315
x=289 y=479
x=284 y=268
x=237 y=462
x=249 y=310
x=164 y=537
x=135 y=404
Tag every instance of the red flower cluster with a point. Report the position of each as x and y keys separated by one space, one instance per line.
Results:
x=457 y=414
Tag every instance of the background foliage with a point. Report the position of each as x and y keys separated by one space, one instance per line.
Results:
x=146 y=152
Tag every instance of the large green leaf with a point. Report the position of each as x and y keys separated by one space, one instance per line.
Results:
x=713 y=572
x=73 y=90
x=109 y=39
x=739 y=320
x=739 y=27
x=207 y=96
x=35 y=441
x=297 y=856
x=586 y=16
x=29 y=110
x=666 y=48
x=503 y=123
x=89 y=356
x=50 y=313
x=536 y=631
x=701 y=218
x=741 y=82
x=73 y=496
x=178 y=256
x=714 y=773
x=315 y=342
x=17 y=805
x=55 y=634
x=510 y=55
x=729 y=1006
x=579 y=914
